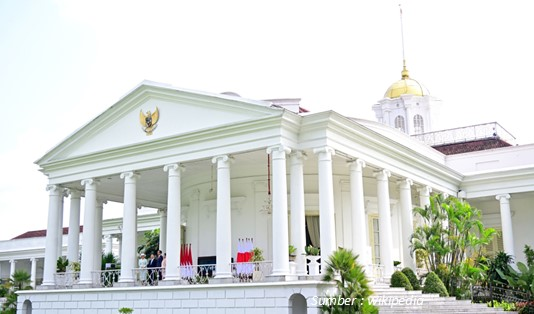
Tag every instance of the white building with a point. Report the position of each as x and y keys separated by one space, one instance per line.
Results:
x=224 y=168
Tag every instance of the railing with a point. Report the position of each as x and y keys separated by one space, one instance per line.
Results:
x=197 y=274
x=148 y=276
x=496 y=292
x=251 y=271
x=105 y=278
x=465 y=134
x=66 y=280
x=377 y=273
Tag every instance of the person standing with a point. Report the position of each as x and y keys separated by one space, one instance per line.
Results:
x=152 y=272
x=142 y=264
x=159 y=264
x=164 y=264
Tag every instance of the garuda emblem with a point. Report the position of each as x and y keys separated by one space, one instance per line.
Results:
x=149 y=120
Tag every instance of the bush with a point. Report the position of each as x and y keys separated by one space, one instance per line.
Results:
x=399 y=280
x=434 y=285
x=412 y=277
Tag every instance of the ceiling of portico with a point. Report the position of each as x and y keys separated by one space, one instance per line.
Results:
x=152 y=183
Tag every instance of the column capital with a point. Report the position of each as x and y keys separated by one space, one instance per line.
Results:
x=278 y=148
x=356 y=164
x=89 y=181
x=223 y=158
x=12 y=261
x=325 y=149
x=405 y=183
x=162 y=211
x=74 y=193
x=53 y=188
x=502 y=197
x=173 y=167
x=382 y=174
x=129 y=175
x=33 y=259
x=424 y=190
x=298 y=154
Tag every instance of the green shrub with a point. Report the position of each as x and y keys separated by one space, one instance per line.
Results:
x=399 y=280
x=412 y=277
x=434 y=285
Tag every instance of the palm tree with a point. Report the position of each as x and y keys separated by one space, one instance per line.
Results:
x=351 y=282
x=20 y=280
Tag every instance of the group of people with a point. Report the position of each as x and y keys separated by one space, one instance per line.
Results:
x=153 y=269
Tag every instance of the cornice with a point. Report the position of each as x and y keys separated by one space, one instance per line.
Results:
x=211 y=136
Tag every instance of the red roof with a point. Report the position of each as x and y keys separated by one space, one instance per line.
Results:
x=40 y=233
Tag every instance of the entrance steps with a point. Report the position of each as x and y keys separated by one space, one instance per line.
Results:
x=398 y=300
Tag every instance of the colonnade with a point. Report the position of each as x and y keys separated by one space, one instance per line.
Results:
x=170 y=217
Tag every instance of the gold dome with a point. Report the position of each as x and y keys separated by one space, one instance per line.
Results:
x=404 y=86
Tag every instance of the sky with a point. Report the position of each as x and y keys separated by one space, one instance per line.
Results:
x=64 y=62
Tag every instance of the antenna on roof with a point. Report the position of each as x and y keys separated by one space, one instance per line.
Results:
x=404 y=72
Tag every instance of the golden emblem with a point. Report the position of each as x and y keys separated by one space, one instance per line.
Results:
x=149 y=120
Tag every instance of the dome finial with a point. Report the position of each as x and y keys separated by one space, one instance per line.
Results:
x=404 y=72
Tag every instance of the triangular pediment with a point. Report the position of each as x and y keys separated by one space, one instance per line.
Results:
x=180 y=112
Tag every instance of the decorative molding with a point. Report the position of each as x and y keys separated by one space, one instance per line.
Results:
x=130 y=175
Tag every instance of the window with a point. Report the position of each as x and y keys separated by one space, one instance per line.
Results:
x=496 y=245
x=418 y=124
x=374 y=235
x=399 y=123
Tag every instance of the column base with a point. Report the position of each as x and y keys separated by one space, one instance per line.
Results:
x=124 y=284
x=46 y=287
x=171 y=282
x=221 y=280
x=82 y=286
x=277 y=278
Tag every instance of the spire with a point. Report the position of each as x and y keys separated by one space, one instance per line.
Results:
x=404 y=72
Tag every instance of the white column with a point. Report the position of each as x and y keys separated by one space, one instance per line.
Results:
x=163 y=230
x=506 y=224
x=51 y=235
x=224 y=219
x=407 y=221
x=359 y=227
x=174 y=213
x=384 y=222
x=60 y=223
x=33 y=272
x=73 y=248
x=424 y=196
x=298 y=210
x=98 y=235
x=280 y=211
x=88 y=237
x=326 y=204
x=13 y=267
x=109 y=244
x=129 y=227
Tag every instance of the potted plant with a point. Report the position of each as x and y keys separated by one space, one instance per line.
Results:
x=292 y=254
x=313 y=254
x=257 y=256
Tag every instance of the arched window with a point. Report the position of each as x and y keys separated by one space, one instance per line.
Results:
x=399 y=124
x=418 y=124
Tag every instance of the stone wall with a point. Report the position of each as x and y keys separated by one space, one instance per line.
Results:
x=273 y=297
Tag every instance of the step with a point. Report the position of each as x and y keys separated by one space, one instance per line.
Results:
x=420 y=302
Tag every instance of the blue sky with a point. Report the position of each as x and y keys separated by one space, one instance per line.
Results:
x=64 y=62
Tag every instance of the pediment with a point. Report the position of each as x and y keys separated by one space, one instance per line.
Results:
x=180 y=112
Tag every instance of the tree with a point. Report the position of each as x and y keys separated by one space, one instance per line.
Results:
x=21 y=280
x=451 y=238
x=151 y=242
x=351 y=282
